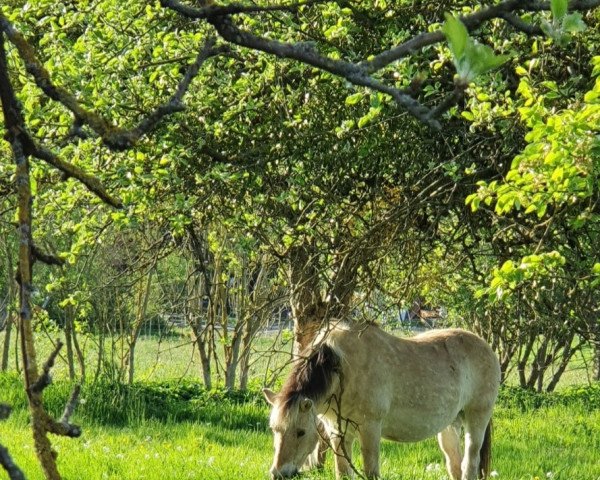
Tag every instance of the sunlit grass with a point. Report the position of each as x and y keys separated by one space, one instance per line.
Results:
x=556 y=442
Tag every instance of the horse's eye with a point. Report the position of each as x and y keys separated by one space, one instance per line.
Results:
x=300 y=433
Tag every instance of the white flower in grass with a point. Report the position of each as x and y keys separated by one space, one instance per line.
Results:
x=433 y=467
x=82 y=401
x=494 y=473
x=105 y=449
x=120 y=456
x=550 y=475
x=210 y=460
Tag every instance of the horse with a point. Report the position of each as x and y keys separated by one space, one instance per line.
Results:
x=359 y=382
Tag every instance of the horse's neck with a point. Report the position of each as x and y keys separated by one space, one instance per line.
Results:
x=332 y=397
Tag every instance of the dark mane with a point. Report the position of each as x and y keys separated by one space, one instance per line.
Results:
x=311 y=378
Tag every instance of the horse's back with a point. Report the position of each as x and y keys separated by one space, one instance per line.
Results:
x=434 y=375
x=473 y=355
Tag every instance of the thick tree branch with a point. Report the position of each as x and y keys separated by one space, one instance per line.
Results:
x=308 y=54
x=360 y=74
x=214 y=10
x=521 y=25
x=90 y=181
x=504 y=10
x=46 y=258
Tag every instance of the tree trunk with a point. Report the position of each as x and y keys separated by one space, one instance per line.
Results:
x=80 y=357
x=140 y=315
x=14 y=124
x=205 y=362
x=6 y=345
x=10 y=281
x=567 y=354
x=523 y=358
x=308 y=307
x=69 y=341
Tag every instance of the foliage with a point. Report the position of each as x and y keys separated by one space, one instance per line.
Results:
x=471 y=59
x=586 y=397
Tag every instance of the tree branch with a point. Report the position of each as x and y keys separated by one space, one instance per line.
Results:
x=114 y=137
x=45 y=379
x=214 y=10
x=308 y=54
x=46 y=258
x=14 y=472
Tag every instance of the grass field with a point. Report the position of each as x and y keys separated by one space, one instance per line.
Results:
x=174 y=430
x=166 y=427
x=555 y=442
x=174 y=357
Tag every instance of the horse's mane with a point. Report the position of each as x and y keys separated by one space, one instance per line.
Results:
x=311 y=377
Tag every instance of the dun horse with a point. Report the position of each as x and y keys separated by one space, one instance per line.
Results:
x=365 y=383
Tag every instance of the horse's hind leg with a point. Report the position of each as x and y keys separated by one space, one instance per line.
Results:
x=476 y=424
x=449 y=441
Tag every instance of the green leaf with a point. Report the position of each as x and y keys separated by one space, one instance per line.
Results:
x=559 y=8
x=354 y=98
x=573 y=23
x=456 y=34
x=468 y=115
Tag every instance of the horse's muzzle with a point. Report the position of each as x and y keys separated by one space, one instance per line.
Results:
x=287 y=471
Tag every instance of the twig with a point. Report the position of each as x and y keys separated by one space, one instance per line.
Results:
x=45 y=379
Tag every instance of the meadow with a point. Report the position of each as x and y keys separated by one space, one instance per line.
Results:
x=166 y=426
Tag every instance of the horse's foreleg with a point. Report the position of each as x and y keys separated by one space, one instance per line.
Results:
x=449 y=441
x=370 y=437
x=342 y=449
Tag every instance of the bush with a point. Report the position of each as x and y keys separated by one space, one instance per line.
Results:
x=112 y=403
x=587 y=396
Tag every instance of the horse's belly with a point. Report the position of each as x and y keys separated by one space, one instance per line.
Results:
x=412 y=426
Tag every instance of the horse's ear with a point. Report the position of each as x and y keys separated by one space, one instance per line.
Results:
x=269 y=396
x=305 y=404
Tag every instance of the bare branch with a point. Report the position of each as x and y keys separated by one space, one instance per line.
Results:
x=71 y=404
x=45 y=379
x=46 y=258
x=64 y=426
x=472 y=22
x=91 y=182
x=521 y=25
x=14 y=472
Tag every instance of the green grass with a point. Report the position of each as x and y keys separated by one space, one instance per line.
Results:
x=166 y=358
x=526 y=445
x=174 y=430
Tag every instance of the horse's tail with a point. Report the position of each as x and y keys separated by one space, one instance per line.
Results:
x=485 y=454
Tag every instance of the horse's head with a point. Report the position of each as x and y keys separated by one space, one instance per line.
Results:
x=294 y=426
